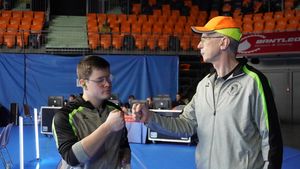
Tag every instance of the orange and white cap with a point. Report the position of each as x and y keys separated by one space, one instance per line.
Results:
x=224 y=25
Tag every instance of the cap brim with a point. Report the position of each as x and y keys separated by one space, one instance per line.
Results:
x=199 y=29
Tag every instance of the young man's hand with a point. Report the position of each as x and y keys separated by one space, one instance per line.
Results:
x=115 y=120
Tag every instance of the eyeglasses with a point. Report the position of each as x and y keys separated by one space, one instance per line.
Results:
x=101 y=81
x=205 y=38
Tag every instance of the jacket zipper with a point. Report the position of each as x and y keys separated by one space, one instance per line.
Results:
x=214 y=116
x=213 y=125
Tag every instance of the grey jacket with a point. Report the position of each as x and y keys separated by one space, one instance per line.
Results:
x=235 y=119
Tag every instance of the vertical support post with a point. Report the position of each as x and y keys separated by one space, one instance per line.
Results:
x=37 y=145
x=21 y=141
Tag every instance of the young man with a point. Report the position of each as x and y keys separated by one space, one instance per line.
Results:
x=233 y=110
x=90 y=131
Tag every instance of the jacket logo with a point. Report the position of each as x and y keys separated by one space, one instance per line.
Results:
x=234 y=88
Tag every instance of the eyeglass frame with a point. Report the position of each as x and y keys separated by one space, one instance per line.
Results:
x=101 y=81
x=205 y=38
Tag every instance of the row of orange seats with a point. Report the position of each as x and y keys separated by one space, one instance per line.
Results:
x=280 y=25
x=22 y=14
x=132 y=18
x=142 y=42
x=289 y=14
x=143 y=24
x=269 y=22
x=16 y=26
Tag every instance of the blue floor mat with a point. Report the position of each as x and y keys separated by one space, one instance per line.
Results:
x=144 y=156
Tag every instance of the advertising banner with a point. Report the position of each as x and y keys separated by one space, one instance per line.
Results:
x=269 y=43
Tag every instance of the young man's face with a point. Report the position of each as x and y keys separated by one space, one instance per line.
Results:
x=98 y=86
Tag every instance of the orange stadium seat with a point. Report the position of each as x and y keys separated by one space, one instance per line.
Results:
x=132 y=19
x=288 y=4
x=23 y=35
x=157 y=12
x=17 y=14
x=93 y=41
x=9 y=40
x=93 y=30
x=105 y=41
x=247 y=28
x=140 y=42
x=147 y=28
x=292 y=24
x=162 y=19
x=163 y=42
x=213 y=13
x=141 y=19
x=27 y=14
x=172 y=18
x=195 y=41
x=136 y=8
x=157 y=29
x=289 y=14
x=278 y=15
x=136 y=29
x=152 y=18
x=237 y=12
x=178 y=30
x=203 y=15
x=248 y=18
x=268 y=16
x=187 y=30
x=175 y=13
x=185 y=42
x=125 y=28
x=117 y=41
x=39 y=14
x=226 y=7
x=257 y=17
x=111 y=18
x=4 y=20
x=166 y=10
x=152 y=41
x=15 y=20
x=122 y=18
x=101 y=18
x=269 y=26
x=258 y=26
x=1 y=39
x=194 y=10
x=6 y=13
x=281 y=25
x=115 y=28
x=168 y=30
x=191 y=20
x=188 y=3
x=152 y=2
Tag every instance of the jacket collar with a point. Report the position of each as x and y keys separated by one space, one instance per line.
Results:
x=236 y=71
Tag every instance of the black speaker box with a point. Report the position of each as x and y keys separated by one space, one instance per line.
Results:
x=47 y=114
x=14 y=113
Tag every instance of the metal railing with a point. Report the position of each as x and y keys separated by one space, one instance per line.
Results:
x=108 y=43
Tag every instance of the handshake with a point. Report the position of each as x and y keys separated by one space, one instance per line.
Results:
x=139 y=112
